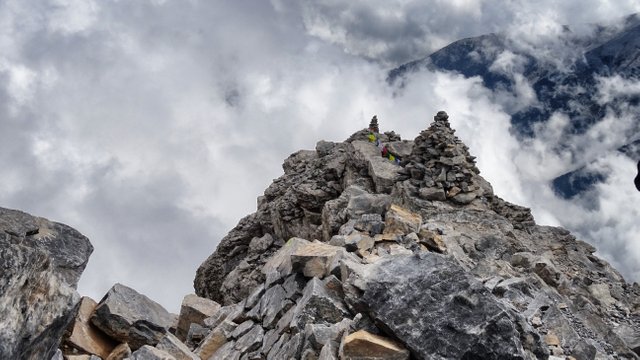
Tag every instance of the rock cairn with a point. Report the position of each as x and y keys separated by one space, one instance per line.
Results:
x=440 y=166
x=373 y=125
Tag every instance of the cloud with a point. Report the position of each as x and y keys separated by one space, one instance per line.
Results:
x=152 y=126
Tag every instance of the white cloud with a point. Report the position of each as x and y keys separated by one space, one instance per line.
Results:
x=152 y=126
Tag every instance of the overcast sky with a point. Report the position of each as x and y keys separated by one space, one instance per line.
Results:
x=152 y=126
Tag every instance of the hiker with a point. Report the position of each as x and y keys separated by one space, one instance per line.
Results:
x=637 y=179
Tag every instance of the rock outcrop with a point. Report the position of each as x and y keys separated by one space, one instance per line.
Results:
x=352 y=255
x=41 y=262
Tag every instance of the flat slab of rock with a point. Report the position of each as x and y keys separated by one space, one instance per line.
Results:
x=364 y=345
x=279 y=265
x=150 y=353
x=128 y=316
x=174 y=347
x=399 y=220
x=313 y=259
x=85 y=336
x=194 y=309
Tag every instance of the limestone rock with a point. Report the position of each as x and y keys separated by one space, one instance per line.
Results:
x=84 y=336
x=194 y=309
x=120 y=352
x=442 y=311
x=401 y=221
x=279 y=265
x=364 y=345
x=318 y=306
x=41 y=262
x=174 y=347
x=128 y=316
x=147 y=352
x=216 y=339
x=312 y=260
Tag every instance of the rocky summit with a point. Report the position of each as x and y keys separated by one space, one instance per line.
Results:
x=373 y=248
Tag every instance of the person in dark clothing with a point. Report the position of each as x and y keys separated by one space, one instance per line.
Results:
x=637 y=179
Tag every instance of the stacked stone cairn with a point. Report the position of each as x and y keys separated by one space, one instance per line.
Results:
x=440 y=166
x=373 y=125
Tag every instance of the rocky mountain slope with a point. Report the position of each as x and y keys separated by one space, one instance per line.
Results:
x=350 y=255
x=349 y=252
x=566 y=74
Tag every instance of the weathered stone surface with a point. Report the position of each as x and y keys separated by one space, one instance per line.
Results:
x=329 y=351
x=147 y=352
x=312 y=260
x=439 y=311
x=128 y=316
x=85 y=337
x=40 y=265
x=631 y=337
x=194 y=309
x=217 y=338
x=317 y=305
x=120 y=352
x=228 y=312
x=174 y=347
x=364 y=345
x=433 y=193
x=383 y=172
x=401 y=221
x=280 y=263
x=251 y=340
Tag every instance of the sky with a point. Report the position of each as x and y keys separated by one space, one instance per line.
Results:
x=152 y=126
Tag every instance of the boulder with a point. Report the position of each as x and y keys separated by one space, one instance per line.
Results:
x=128 y=316
x=438 y=310
x=174 y=347
x=84 y=336
x=383 y=172
x=40 y=265
x=194 y=310
x=399 y=220
x=216 y=339
x=364 y=345
x=312 y=260
x=279 y=265
x=319 y=306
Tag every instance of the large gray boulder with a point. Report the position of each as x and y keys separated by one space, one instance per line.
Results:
x=41 y=262
x=439 y=311
x=128 y=316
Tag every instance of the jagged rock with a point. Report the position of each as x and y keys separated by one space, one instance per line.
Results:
x=251 y=340
x=228 y=312
x=442 y=311
x=401 y=221
x=120 y=352
x=41 y=262
x=318 y=335
x=174 y=347
x=195 y=335
x=85 y=337
x=128 y=316
x=631 y=337
x=147 y=352
x=329 y=351
x=317 y=305
x=364 y=345
x=371 y=224
x=313 y=259
x=433 y=193
x=217 y=338
x=279 y=265
x=226 y=352
x=82 y=357
x=194 y=310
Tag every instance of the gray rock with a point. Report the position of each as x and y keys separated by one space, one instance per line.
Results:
x=292 y=349
x=371 y=224
x=226 y=352
x=216 y=339
x=174 y=347
x=317 y=305
x=260 y=244
x=274 y=304
x=147 y=352
x=40 y=265
x=329 y=351
x=128 y=316
x=242 y=329
x=251 y=340
x=194 y=309
x=275 y=349
x=439 y=311
x=433 y=193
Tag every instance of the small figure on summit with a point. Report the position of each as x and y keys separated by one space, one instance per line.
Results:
x=637 y=179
